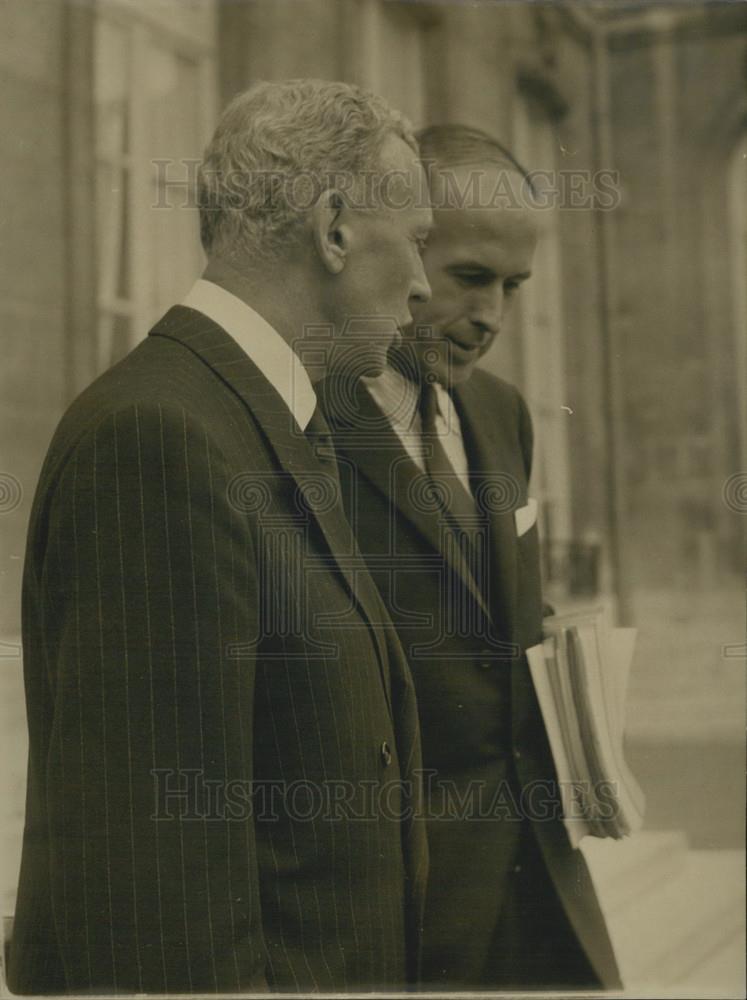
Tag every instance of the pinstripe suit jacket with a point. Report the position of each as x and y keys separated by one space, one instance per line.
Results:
x=223 y=734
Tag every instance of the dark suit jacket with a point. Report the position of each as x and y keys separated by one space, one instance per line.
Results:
x=213 y=711
x=464 y=634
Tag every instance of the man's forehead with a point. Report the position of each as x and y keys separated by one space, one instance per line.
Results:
x=478 y=186
x=482 y=225
x=483 y=202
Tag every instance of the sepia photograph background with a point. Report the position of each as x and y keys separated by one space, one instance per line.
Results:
x=629 y=342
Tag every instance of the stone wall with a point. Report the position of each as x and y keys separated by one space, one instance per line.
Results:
x=678 y=105
x=32 y=270
x=33 y=372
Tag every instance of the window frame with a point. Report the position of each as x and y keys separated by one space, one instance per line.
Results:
x=146 y=27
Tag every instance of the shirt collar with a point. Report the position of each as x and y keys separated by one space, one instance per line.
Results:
x=445 y=403
x=274 y=357
x=397 y=398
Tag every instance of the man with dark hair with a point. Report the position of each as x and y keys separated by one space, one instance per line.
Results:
x=223 y=768
x=442 y=455
x=443 y=147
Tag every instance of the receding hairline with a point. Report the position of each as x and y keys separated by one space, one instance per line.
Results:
x=452 y=146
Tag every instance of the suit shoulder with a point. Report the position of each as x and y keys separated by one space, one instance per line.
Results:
x=497 y=392
x=159 y=388
x=508 y=408
x=157 y=369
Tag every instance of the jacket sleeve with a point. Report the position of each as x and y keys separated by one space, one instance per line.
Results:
x=149 y=576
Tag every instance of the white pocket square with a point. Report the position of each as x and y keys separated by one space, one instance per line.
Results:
x=525 y=516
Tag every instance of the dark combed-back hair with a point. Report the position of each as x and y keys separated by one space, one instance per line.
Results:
x=454 y=145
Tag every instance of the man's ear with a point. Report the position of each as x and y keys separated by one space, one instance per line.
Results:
x=330 y=230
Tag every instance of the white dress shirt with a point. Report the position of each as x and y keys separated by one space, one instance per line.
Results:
x=397 y=398
x=274 y=357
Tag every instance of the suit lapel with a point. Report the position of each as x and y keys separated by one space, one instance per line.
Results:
x=486 y=453
x=378 y=454
x=217 y=349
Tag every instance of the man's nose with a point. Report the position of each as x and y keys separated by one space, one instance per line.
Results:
x=487 y=312
x=420 y=292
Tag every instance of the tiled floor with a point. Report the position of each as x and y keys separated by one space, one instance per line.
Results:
x=676 y=916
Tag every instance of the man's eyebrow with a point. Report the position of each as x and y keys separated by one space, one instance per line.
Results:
x=470 y=265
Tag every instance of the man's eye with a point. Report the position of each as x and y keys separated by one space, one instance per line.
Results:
x=472 y=279
x=422 y=243
x=511 y=286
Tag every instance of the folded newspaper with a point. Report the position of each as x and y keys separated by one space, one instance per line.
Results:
x=580 y=673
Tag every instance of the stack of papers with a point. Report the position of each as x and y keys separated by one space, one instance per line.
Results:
x=580 y=674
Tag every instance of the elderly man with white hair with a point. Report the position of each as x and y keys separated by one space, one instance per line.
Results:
x=224 y=749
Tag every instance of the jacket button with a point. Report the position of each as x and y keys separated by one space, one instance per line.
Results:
x=485 y=665
x=386 y=754
x=517 y=753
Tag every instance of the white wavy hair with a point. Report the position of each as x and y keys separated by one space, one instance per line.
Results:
x=276 y=148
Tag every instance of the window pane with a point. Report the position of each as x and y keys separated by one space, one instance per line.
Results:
x=174 y=125
x=173 y=104
x=149 y=105
x=113 y=236
x=111 y=87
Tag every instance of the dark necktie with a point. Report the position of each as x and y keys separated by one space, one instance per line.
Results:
x=464 y=532
x=459 y=504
